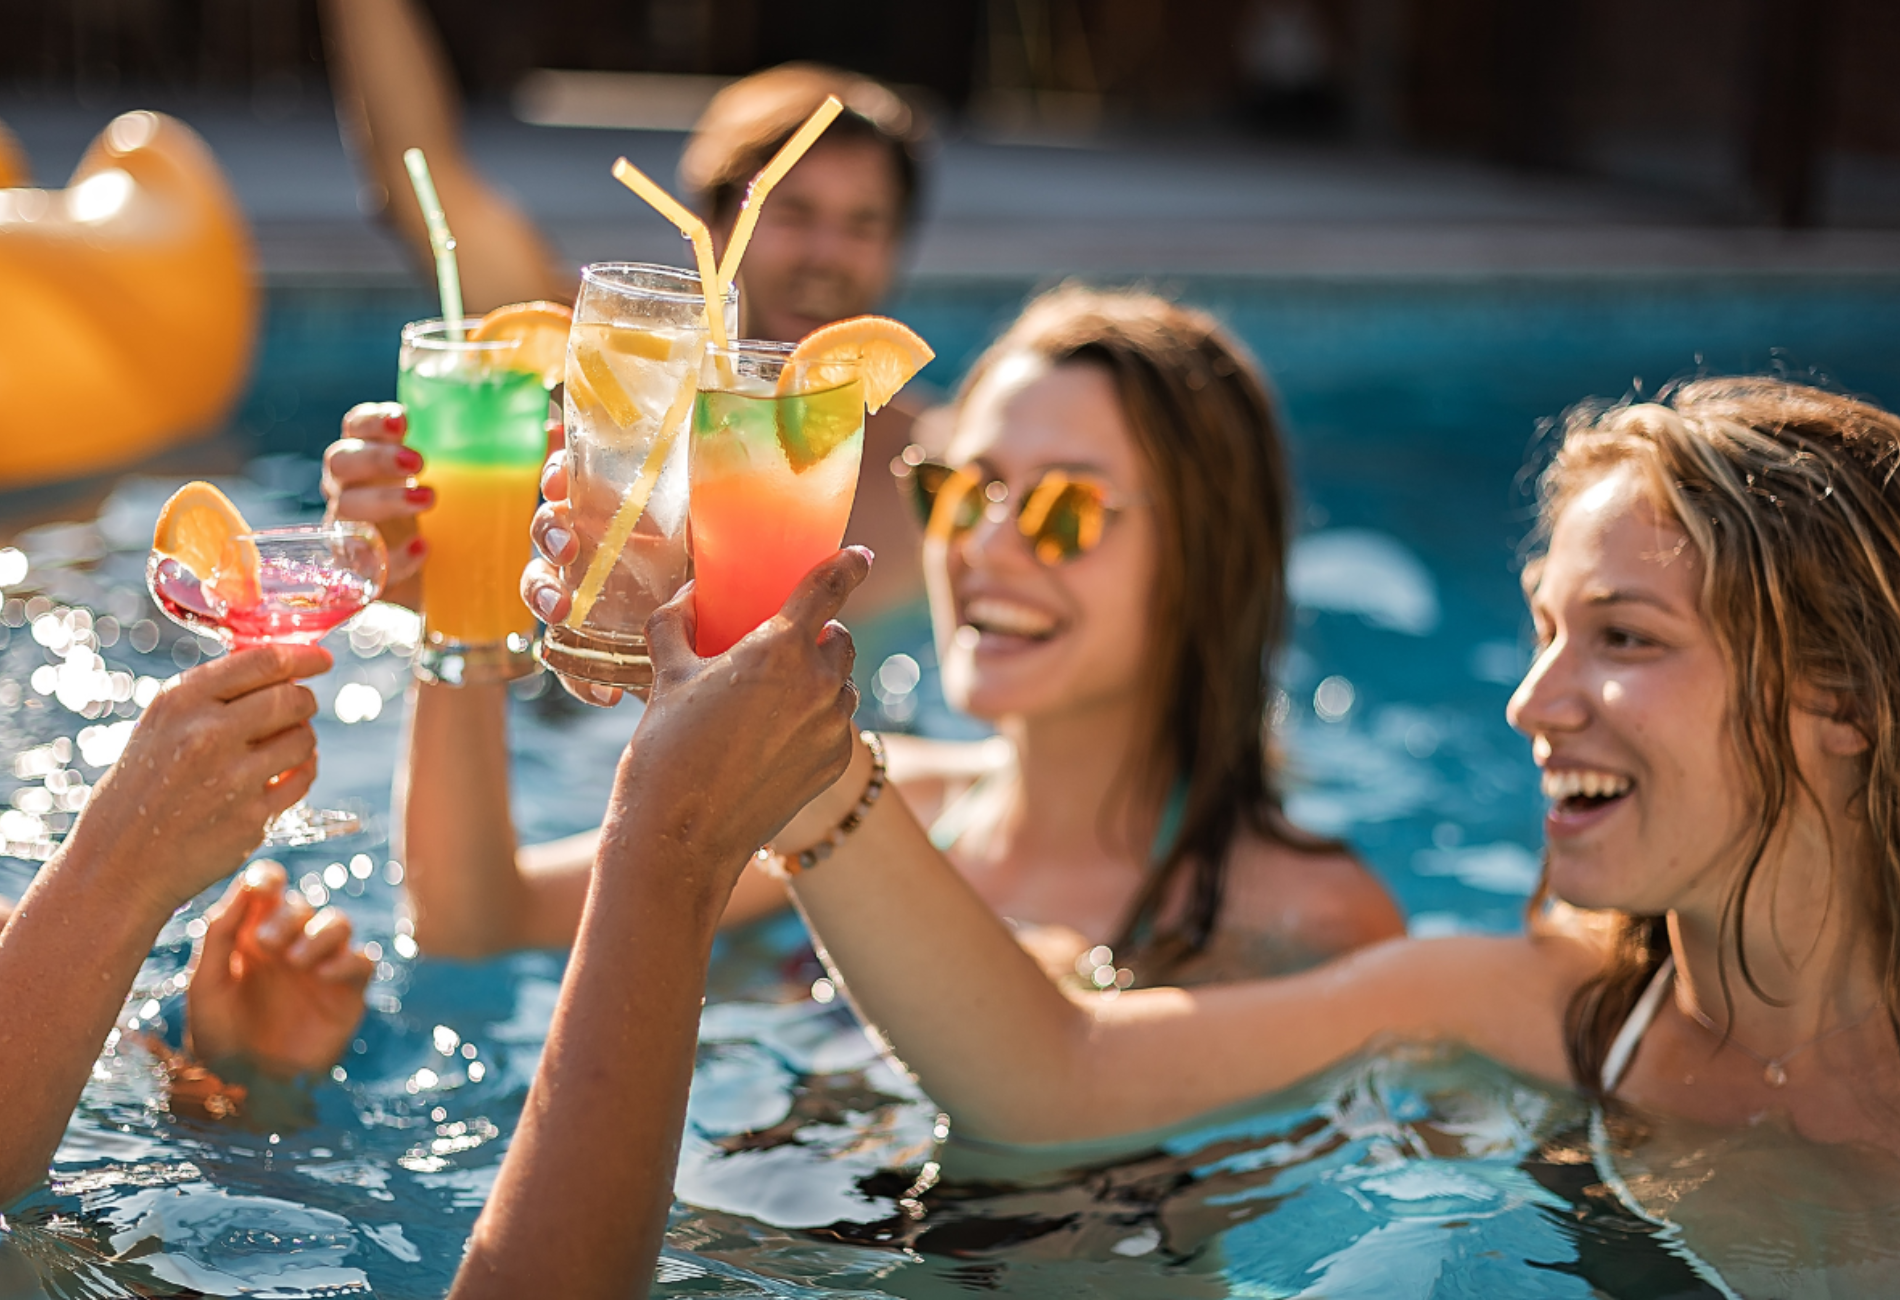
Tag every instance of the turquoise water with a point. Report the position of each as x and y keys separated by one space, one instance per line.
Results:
x=809 y=1163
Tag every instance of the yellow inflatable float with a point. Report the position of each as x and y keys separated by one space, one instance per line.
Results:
x=128 y=302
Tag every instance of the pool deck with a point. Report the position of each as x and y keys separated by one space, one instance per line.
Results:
x=1153 y=205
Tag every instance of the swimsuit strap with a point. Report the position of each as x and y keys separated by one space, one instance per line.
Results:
x=1668 y=1233
x=1168 y=829
x=1641 y=1016
x=955 y=818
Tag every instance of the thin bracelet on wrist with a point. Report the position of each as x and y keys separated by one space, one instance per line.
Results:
x=787 y=865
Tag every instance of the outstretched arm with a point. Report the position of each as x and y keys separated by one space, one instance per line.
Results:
x=1014 y=1059
x=472 y=893
x=571 y=1215
x=394 y=91
x=215 y=757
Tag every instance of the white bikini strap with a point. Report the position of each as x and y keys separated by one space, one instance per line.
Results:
x=1637 y=1025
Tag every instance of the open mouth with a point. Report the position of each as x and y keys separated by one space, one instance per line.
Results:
x=1574 y=792
x=994 y=617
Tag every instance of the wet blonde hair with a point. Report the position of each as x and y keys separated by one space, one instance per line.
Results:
x=1789 y=495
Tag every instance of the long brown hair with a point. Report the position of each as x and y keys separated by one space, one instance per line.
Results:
x=1789 y=495
x=1206 y=428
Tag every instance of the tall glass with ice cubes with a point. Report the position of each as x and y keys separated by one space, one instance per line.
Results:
x=633 y=365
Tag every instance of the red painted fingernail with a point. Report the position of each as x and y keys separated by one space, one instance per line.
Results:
x=418 y=496
x=408 y=459
x=417 y=546
x=396 y=423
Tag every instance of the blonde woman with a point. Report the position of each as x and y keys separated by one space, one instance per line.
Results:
x=1716 y=713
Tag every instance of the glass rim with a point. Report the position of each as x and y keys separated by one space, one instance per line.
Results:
x=774 y=359
x=433 y=333
x=329 y=529
x=762 y=349
x=689 y=292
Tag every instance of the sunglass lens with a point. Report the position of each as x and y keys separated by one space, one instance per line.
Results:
x=925 y=482
x=1070 y=526
x=955 y=505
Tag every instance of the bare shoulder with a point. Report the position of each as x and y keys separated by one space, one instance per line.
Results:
x=1503 y=995
x=1330 y=901
x=930 y=773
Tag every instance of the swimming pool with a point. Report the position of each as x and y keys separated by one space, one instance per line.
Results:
x=810 y=1166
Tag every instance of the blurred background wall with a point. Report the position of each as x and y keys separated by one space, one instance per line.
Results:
x=1775 y=111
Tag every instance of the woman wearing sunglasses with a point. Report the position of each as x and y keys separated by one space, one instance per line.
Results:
x=1105 y=553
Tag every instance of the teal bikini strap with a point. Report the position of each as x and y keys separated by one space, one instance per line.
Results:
x=960 y=811
x=1173 y=813
x=955 y=819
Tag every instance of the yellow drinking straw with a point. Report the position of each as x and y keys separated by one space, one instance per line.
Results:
x=710 y=285
x=633 y=505
x=771 y=174
x=713 y=280
x=448 y=277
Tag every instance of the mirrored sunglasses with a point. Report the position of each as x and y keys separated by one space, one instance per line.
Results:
x=1061 y=515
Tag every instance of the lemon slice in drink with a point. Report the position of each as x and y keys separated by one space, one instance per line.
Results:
x=202 y=530
x=887 y=353
x=616 y=365
x=542 y=328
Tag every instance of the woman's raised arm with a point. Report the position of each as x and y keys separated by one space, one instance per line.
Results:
x=1014 y=1059
x=215 y=757
x=581 y=1202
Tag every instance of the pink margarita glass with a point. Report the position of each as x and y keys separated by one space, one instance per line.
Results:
x=311 y=578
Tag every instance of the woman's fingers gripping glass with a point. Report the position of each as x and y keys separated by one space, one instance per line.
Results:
x=221 y=750
x=543 y=588
x=785 y=687
x=369 y=475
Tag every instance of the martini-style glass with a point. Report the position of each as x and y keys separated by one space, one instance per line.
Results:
x=311 y=577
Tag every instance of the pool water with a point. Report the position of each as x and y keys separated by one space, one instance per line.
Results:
x=811 y=1167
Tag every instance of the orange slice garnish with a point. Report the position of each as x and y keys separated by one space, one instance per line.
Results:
x=202 y=530
x=542 y=328
x=887 y=354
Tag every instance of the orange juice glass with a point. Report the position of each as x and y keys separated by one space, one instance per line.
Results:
x=774 y=468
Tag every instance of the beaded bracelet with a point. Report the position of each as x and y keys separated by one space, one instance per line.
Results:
x=788 y=865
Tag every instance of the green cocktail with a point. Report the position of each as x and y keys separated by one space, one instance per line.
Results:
x=480 y=425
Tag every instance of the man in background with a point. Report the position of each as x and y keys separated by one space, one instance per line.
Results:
x=826 y=247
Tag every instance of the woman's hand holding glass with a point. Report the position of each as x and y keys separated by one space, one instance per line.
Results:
x=369 y=476
x=542 y=586
x=218 y=754
x=730 y=747
x=222 y=750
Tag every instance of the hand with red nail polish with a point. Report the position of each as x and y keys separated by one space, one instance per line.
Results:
x=369 y=475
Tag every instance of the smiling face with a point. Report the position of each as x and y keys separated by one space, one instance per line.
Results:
x=1017 y=637
x=826 y=244
x=1627 y=709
